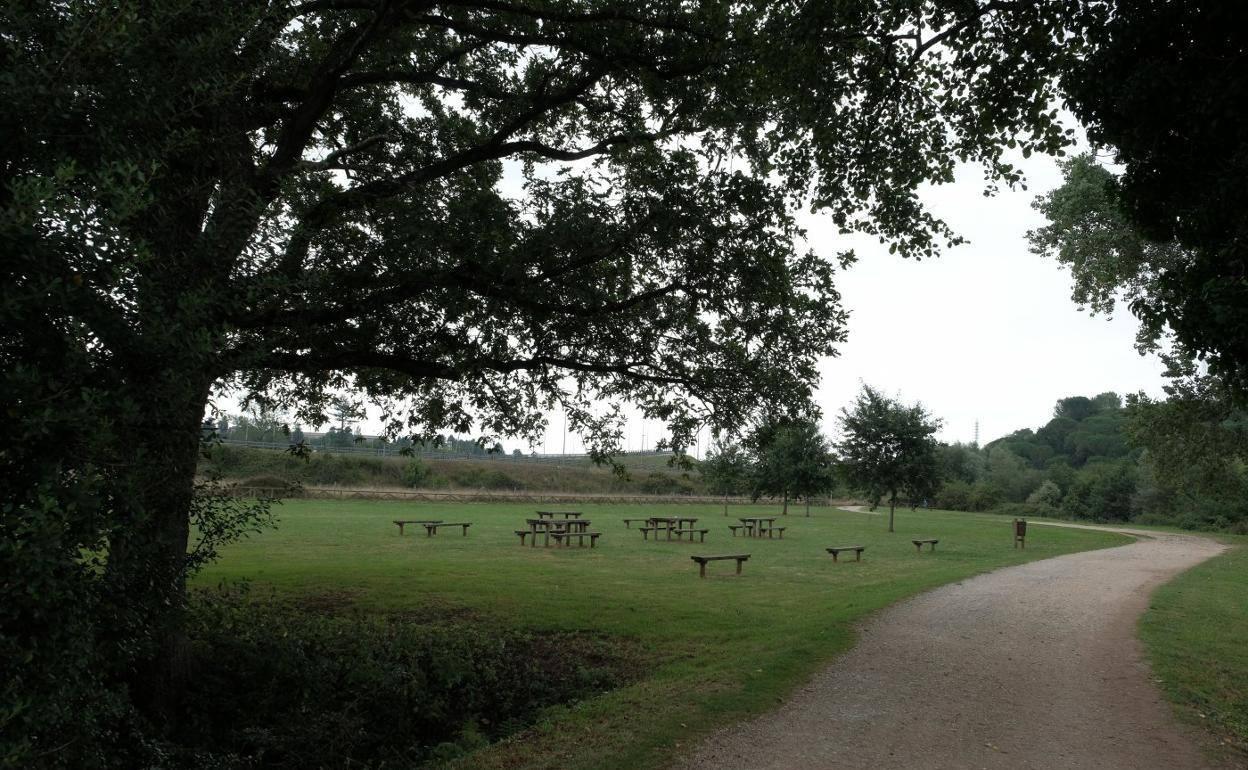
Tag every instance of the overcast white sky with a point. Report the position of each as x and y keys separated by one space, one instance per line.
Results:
x=986 y=332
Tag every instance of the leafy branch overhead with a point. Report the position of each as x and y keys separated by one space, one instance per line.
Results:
x=480 y=207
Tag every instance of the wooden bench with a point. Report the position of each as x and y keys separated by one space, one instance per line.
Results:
x=857 y=549
x=523 y=532
x=402 y=522
x=565 y=538
x=701 y=533
x=770 y=530
x=735 y=527
x=918 y=544
x=432 y=527
x=702 y=560
x=628 y=523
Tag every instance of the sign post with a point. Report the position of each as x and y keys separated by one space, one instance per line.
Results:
x=1020 y=533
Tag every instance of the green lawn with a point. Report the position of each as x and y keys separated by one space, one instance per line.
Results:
x=722 y=648
x=1196 y=633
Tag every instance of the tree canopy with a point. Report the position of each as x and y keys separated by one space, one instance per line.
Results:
x=1163 y=85
x=887 y=448
x=792 y=459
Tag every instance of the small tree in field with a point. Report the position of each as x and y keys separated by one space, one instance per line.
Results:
x=726 y=470
x=888 y=448
x=794 y=461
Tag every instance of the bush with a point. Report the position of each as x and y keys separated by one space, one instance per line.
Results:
x=1048 y=494
x=954 y=496
x=663 y=484
x=984 y=497
x=279 y=687
x=1026 y=510
x=417 y=474
x=266 y=482
x=476 y=477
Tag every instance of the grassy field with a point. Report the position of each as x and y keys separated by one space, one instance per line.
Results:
x=1196 y=633
x=717 y=649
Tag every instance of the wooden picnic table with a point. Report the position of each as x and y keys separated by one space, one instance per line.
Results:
x=564 y=514
x=672 y=525
x=546 y=527
x=754 y=524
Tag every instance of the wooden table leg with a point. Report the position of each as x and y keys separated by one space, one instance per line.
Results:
x=739 y=565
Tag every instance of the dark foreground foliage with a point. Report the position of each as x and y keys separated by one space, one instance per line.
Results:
x=281 y=686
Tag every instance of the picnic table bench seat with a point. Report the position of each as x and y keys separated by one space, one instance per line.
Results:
x=628 y=523
x=702 y=560
x=645 y=531
x=691 y=531
x=857 y=549
x=564 y=537
x=735 y=527
x=918 y=544
x=432 y=527
x=770 y=530
x=403 y=522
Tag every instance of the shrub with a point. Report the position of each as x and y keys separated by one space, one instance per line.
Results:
x=1048 y=493
x=984 y=497
x=279 y=687
x=417 y=474
x=954 y=496
x=663 y=484
x=1025 y=510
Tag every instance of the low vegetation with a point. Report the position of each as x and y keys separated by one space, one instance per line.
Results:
x=646 y=474
x=696 y=653
x=1194 y=631
x=311 y=684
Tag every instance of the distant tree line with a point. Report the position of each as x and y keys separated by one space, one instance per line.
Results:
x=1179 y=461
x=886 y=453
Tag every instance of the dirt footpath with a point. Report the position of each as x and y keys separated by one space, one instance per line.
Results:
x=1035 y=666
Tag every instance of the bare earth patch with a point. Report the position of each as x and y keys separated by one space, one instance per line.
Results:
x=1034 y=666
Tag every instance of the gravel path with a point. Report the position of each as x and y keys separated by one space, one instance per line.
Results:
x=1035 y=666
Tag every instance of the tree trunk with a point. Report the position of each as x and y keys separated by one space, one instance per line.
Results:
x=146 y=568
x=786 y=504
x=892 y=506
x=808 y=507
x=725 y=503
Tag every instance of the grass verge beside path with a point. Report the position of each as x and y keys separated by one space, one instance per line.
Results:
x=1196 y=634
x=717 y=650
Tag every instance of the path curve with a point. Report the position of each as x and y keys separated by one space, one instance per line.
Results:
x=1033 y=666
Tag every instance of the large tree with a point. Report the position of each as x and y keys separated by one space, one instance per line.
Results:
x=887 y=448
x=470 y=211
x=1163 y=86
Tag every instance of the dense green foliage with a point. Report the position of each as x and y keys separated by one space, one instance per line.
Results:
x=1179 y=461
x=1163 y=85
